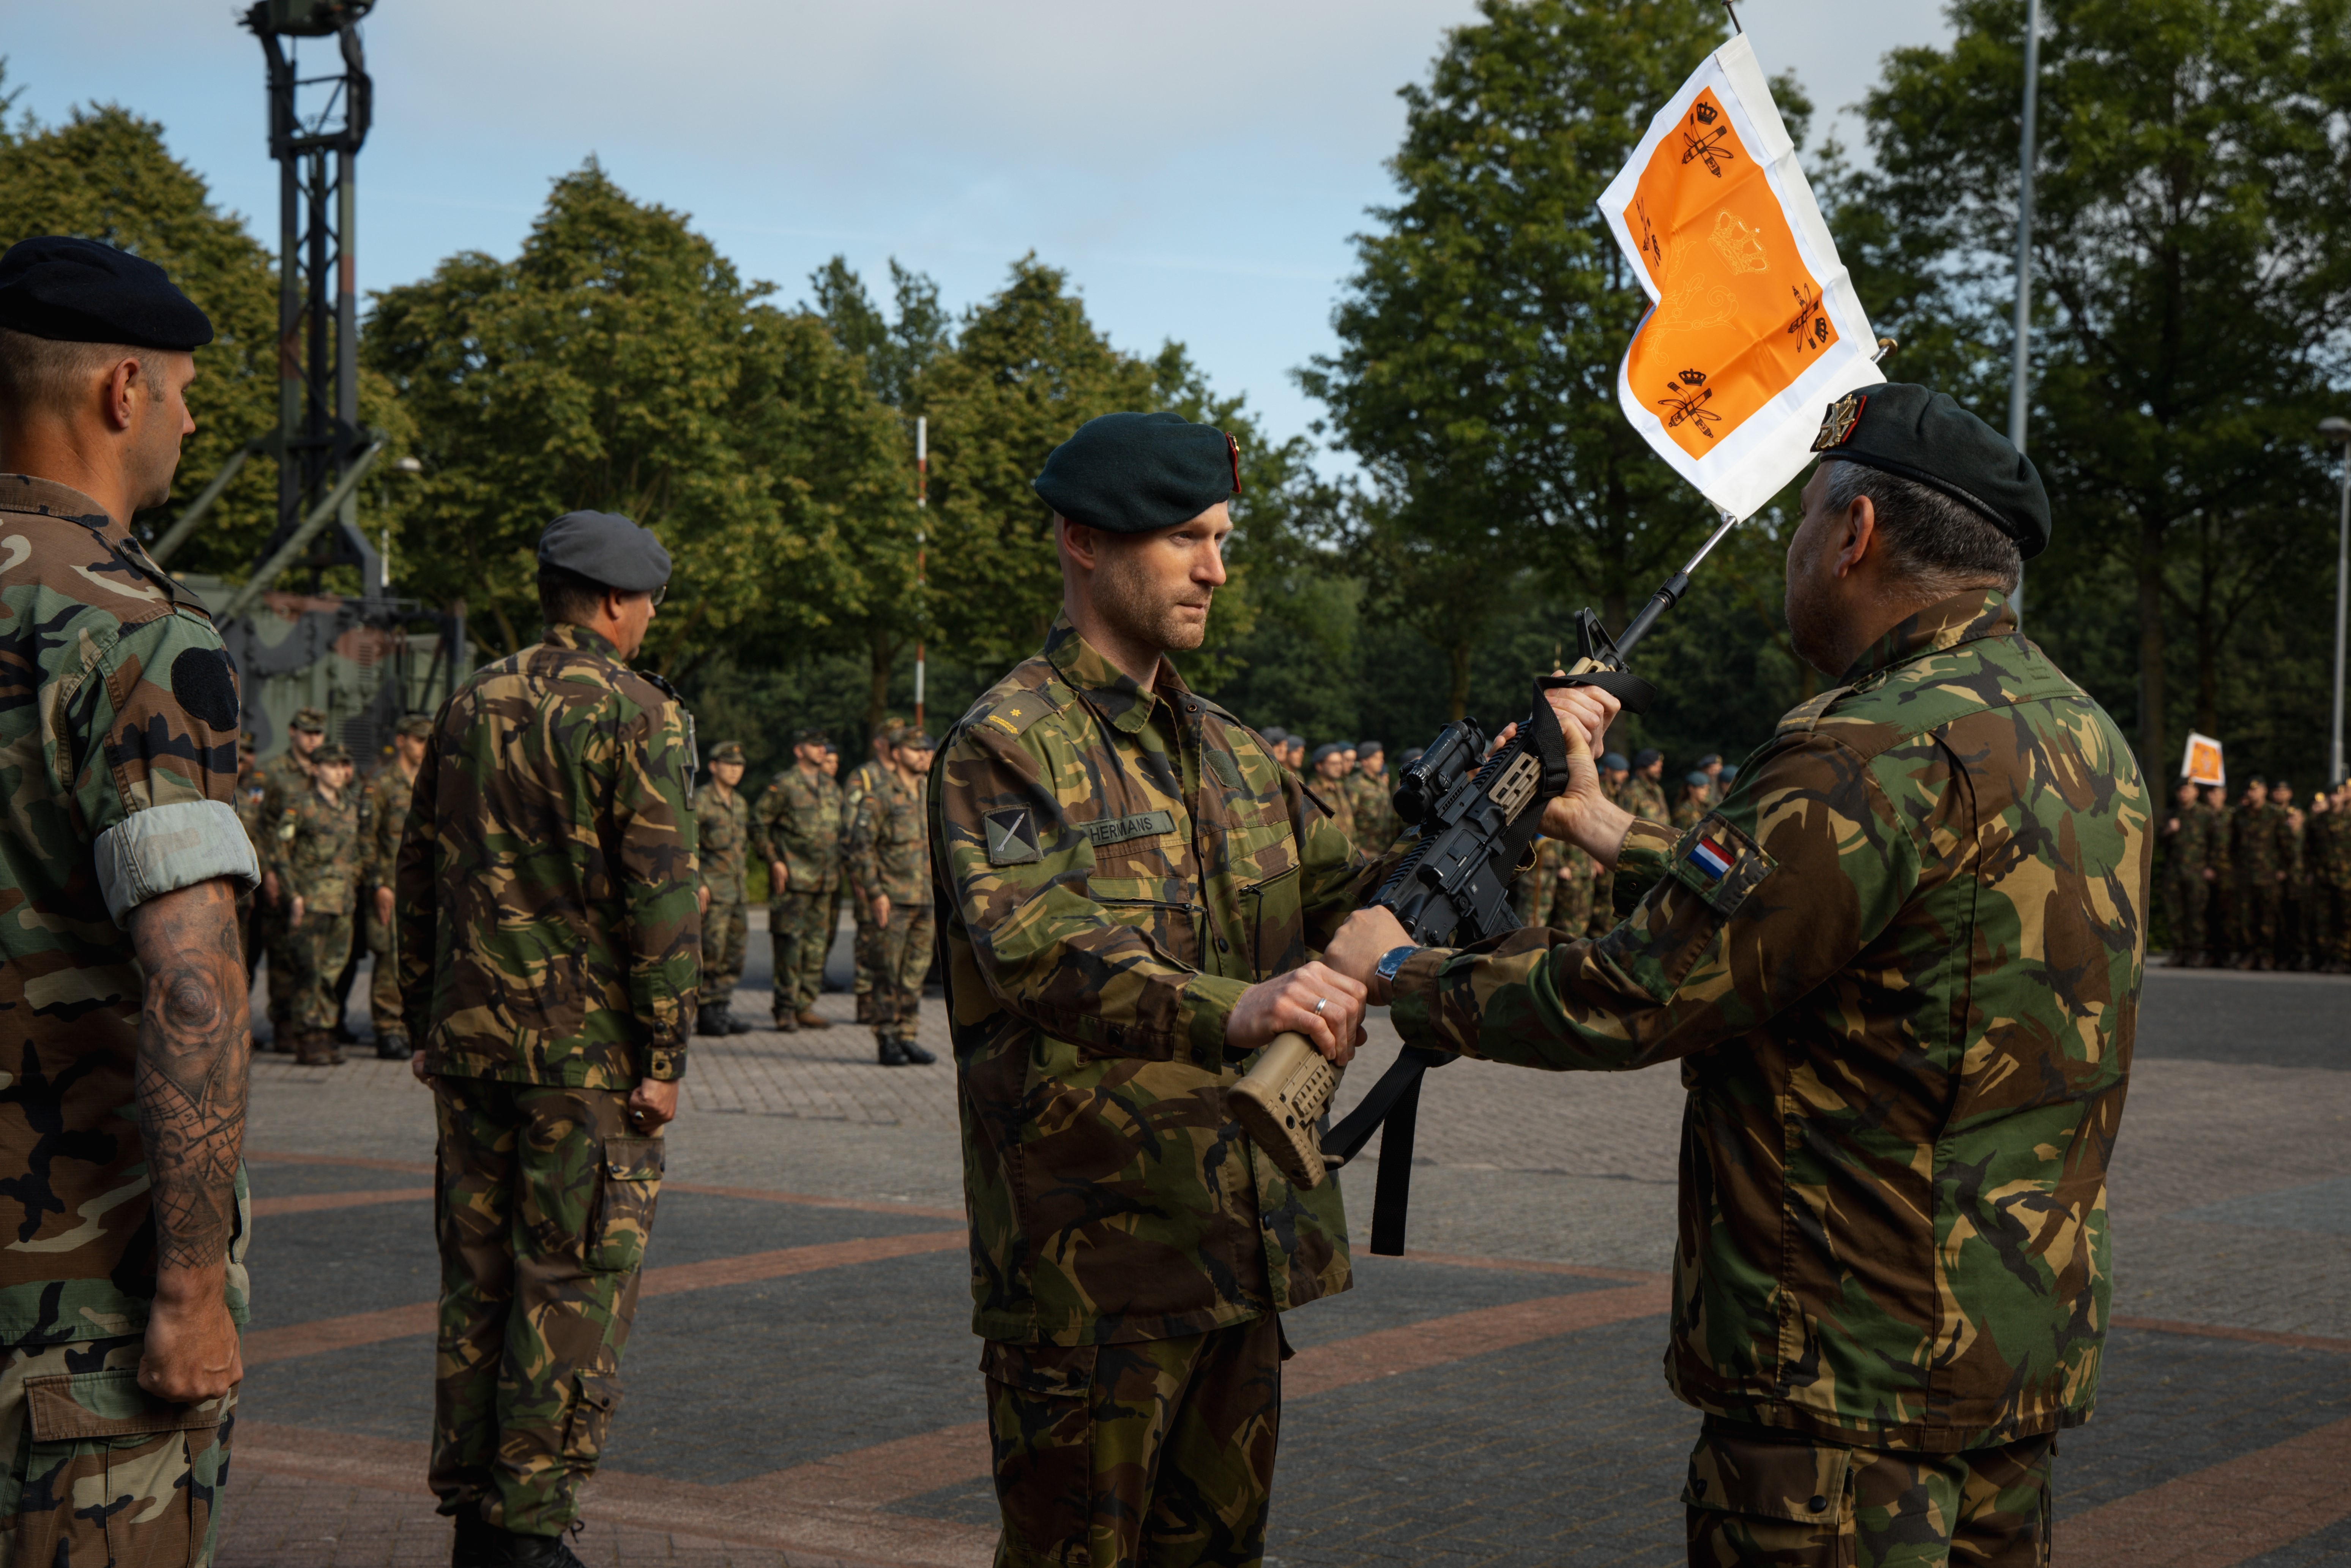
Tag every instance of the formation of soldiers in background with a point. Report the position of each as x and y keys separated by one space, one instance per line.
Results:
x=2264 y=883
x=326 y=844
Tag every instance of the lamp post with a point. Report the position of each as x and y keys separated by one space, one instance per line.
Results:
x=2019 y=389
x=2338 y=430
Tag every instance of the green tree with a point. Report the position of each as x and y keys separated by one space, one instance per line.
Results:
x=620 y=363
x=106 y=174
x=2193 y=288
x=1481 y=331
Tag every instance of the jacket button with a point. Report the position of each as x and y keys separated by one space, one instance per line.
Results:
x=1819 y=1503
x=1222 y=946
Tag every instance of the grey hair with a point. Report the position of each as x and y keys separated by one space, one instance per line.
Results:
x=45 y=376
x=1936 y=543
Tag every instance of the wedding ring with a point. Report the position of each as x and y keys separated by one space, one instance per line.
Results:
x=1320 y=1005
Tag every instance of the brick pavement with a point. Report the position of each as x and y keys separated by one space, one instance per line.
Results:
x=1498 y=1405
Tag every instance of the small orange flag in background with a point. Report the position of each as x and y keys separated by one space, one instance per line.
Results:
x=1755 y=328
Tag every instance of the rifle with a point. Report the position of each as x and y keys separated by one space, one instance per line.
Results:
x=1479 y=813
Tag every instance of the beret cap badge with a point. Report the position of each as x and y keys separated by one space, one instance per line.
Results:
x=1842 y=416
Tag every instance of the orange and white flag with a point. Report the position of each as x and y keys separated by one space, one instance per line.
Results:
x=1755 y=328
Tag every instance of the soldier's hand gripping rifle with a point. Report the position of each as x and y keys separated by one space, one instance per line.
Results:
x=1479 y=813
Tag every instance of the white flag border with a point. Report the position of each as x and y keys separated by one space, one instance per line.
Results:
x=1751 y=464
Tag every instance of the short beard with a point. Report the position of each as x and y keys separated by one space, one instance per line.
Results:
x=1811 y=629
x=1126 y=598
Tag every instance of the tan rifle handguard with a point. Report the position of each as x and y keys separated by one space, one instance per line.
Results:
x=1279 y=1101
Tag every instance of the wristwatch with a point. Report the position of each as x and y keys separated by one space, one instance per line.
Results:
x=1392 y=960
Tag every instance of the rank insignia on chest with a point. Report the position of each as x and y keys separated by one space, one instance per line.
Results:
x=1011 y=836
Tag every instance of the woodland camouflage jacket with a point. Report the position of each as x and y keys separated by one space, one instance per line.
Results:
x=722 y=828
x=1116 y=866
x=119 y=724
x=383 y=815
x=548 y=928
x=798 y=821
x=319 y=850
x=889 y=850
x=1900 y=967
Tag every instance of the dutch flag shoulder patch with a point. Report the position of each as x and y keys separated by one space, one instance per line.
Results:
x=1720 y=865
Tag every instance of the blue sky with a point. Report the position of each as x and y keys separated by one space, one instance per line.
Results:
x=1197 y=171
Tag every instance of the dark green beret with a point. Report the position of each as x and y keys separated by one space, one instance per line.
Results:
x=1924 y=435
x=1696 y=781
x=1134 y=473
x=606 y=549
x=73 y=291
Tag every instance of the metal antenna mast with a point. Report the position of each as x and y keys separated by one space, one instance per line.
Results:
x=319 y=444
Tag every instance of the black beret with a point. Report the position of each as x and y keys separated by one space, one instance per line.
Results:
x=1923 y=435
x=605 y=547
x=1133 y=472
x=74 y=290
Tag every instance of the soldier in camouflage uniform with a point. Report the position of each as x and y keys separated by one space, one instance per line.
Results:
x=1643 y=793
x=285 y=779
x=721 y=822
x=1131 y=885
x=122 y=862
x=890 y=858
x=2335 y=875
x=385 y=812
x=2260 y=877
x=1698 y=799
x=1369 y=795
x=1615 y=772
x=1717 y=788
x=318 y=868
x=2219 y=879
x=854 y=791
x=1899 y=972
x=2286 y=825
x=549 y=947
x=2180 y=859
x=1328 y=784
x=797 y=829
x=248 y=814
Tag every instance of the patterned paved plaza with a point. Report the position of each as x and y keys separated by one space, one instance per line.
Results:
x=803 y=1383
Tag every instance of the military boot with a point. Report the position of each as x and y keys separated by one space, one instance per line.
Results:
x=534 y=1551
x=477 y=1542
x=914 y=1054
x=711 y=1020
x=889 y=1051
x=393 y=1046
x=317 y=1049
x=809 y=1018
x=735 y=1025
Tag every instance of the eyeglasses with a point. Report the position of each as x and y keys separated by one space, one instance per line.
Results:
x=659 y=595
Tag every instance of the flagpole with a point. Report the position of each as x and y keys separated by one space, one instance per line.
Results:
x=2019 y=392
x=923 y=512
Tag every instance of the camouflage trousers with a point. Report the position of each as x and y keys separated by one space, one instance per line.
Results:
x=95 y=1471
x=2257 y=918
x=318 y=949
x=869 y=955
x=723 y=928
x=903 y=955
x=2183 y=907
x=271 y=930
x=799 y=925
x=1156 y=1452
x=383 y=984
x=1760 y=1498
x=546 y=1199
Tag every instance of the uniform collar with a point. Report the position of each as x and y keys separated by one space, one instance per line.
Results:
x=583 y=639
x=1945 y=624
x=1125 y=702
x=46 y=497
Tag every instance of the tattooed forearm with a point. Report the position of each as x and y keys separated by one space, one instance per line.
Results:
x=194 y=1049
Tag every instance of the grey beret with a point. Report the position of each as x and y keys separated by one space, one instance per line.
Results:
x=605 y=547
x=1696 y=781
x=1647 y=755
x=1327 y=750
x=1370 y=748
x=1615 y=762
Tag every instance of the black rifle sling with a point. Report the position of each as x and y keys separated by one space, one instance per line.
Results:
x=1393 y=1195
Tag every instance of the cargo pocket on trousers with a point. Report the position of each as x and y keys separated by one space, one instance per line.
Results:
x=1041 y=1435
x=628 y=1183
x=107 y=1461
x=1780 y=1499
x=589 y=1420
